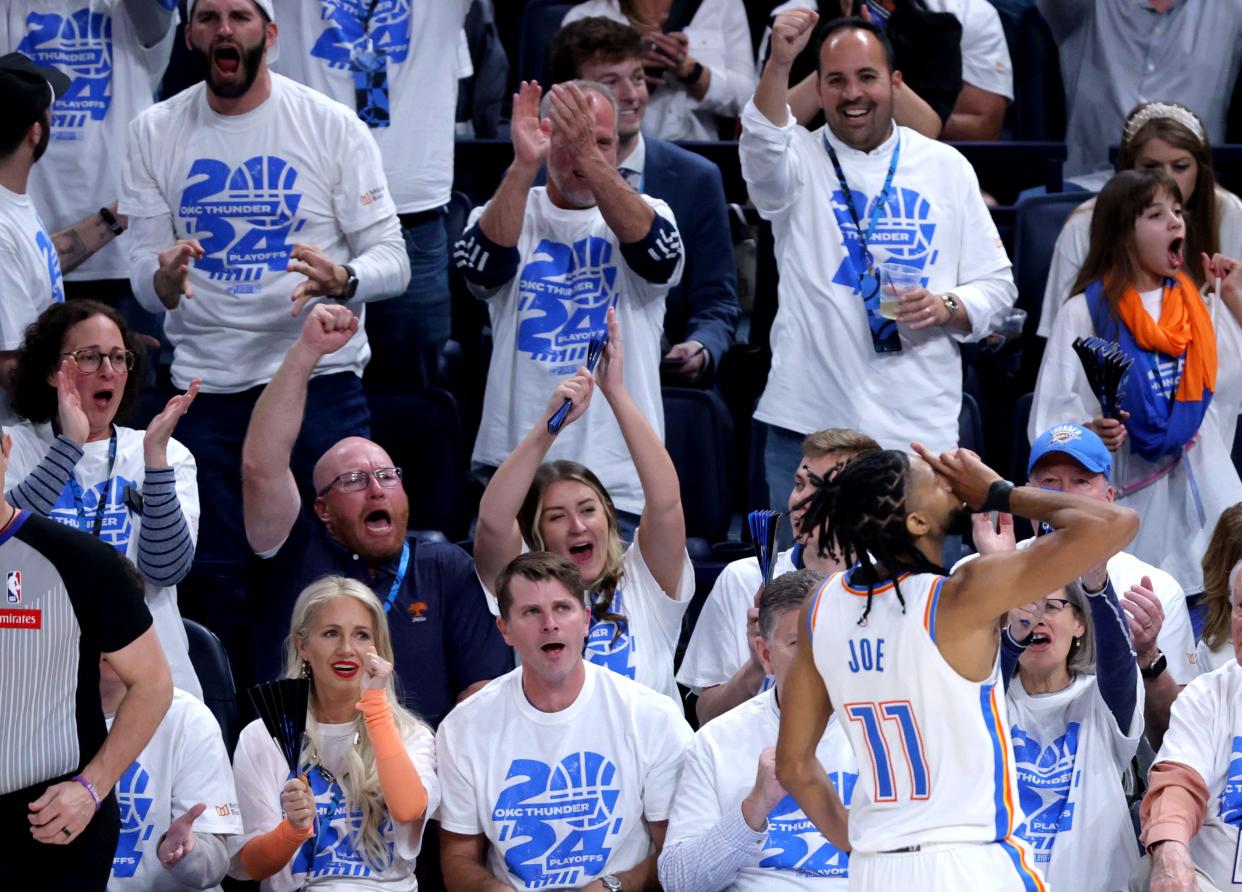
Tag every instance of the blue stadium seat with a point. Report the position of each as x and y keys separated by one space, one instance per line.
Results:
x=211 y=664
x=970 y=426
x=541 y=19
x=699 y=435
x=1038 y=222
x=422 y=433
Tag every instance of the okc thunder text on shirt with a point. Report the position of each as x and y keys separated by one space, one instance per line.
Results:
x=114 y=78
x=560 y=796
x=300 y=168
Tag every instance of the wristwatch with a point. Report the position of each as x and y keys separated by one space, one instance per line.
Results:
x=951 y=303
x=611 y=883
x=351 y=284
x=1157 y=667
x=692 y=77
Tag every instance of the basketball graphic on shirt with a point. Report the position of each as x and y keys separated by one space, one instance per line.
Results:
x=611 y=643
x=81 y=511
x=243 y=217
x=564 y=294
x=794 y=844
x=584 y=775
x=80 y=45
x=556 y=822
x=1045 y=775
x=389 y=30
x=266 y=183
x=903 y=231
x=134 y=801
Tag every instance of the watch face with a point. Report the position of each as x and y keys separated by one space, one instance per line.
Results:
x=611 y=883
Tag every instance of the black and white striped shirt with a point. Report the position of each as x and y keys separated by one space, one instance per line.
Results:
x=68 y=599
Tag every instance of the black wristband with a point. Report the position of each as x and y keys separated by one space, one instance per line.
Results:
x=998 y=497
x=110 y=220
x=695 y=75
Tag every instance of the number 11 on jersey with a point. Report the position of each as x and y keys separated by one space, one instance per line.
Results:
x=871 y=717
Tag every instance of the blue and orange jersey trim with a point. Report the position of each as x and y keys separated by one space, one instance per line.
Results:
x=933 y=604
x=812 y=612
x=1004 y=795
x=862 y=593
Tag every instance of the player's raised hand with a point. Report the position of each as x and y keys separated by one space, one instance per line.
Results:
x=529 y=136
x=791 y=32
x=964 y=471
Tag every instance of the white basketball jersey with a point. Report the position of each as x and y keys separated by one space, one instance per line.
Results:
x=935 y=764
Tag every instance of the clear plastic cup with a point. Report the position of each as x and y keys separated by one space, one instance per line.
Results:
x=895 y=280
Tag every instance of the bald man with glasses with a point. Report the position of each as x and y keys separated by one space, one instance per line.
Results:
x=446 y=642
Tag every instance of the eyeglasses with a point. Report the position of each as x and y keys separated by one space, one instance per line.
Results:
x=1055 y=605
x=356 y=481
x=89 y=360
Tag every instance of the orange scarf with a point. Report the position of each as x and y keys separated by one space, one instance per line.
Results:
x=1185 y=328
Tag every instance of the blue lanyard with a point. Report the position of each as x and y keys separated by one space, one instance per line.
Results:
x=402 y=565
x=880 y=201
x=79 y=499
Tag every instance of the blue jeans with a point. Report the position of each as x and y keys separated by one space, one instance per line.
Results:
x=407 y=332
x=214 y=430
x=782 y=455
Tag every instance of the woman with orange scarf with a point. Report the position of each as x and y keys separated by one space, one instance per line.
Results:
x=1183 y=393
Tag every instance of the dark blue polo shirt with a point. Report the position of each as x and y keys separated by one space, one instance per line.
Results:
x=443 y=635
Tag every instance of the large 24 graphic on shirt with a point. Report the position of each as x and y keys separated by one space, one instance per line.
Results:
x=793 y=843
x=243 y=217
x=556 y=823
x=563 y=298
x=1044 y=778
x=81 y=46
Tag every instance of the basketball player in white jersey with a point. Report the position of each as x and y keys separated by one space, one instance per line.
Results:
x=909 y=659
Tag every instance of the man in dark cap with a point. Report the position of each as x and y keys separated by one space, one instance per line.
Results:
x=30 y=256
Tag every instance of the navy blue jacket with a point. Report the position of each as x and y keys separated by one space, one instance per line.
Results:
x=704 y=306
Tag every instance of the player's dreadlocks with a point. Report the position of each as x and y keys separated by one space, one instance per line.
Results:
x=858 y=513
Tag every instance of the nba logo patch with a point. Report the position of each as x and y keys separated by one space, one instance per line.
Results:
x=13 y=586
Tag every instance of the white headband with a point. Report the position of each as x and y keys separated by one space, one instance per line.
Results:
x=1156 y=110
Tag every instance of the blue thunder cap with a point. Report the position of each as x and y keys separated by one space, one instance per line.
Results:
x=1080 y=444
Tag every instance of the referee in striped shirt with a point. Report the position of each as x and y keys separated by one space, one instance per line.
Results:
x=69 y=599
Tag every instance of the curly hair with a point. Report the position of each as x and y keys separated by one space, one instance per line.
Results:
x=39 y=358
x=858 y=513
x=604 y=588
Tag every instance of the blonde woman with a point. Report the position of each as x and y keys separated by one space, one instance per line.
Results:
x=353 y=819
x=638 y=593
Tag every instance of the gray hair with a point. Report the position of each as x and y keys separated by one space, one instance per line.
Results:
x=1081 y=659
x=785 y=593
x=1234 y=575
x=586 y=86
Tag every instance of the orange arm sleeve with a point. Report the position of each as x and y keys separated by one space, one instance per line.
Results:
x=1175 y=805
x=267 y=854
x=403 y=789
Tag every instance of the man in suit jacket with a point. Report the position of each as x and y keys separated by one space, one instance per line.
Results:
x=702 y=312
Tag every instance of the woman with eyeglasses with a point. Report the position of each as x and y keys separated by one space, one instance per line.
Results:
x=77 y=370
x=1075 y=710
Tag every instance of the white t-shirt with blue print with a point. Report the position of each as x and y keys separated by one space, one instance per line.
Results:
x=183 y=764
x=113 y=78
x=329 y=860
x=1205 y=733
x=32 y=279
x=643 y=650
x=719 y=772
x=561 y=796
x=1070 y=756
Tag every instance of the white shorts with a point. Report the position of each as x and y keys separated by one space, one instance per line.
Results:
x=994 y=867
